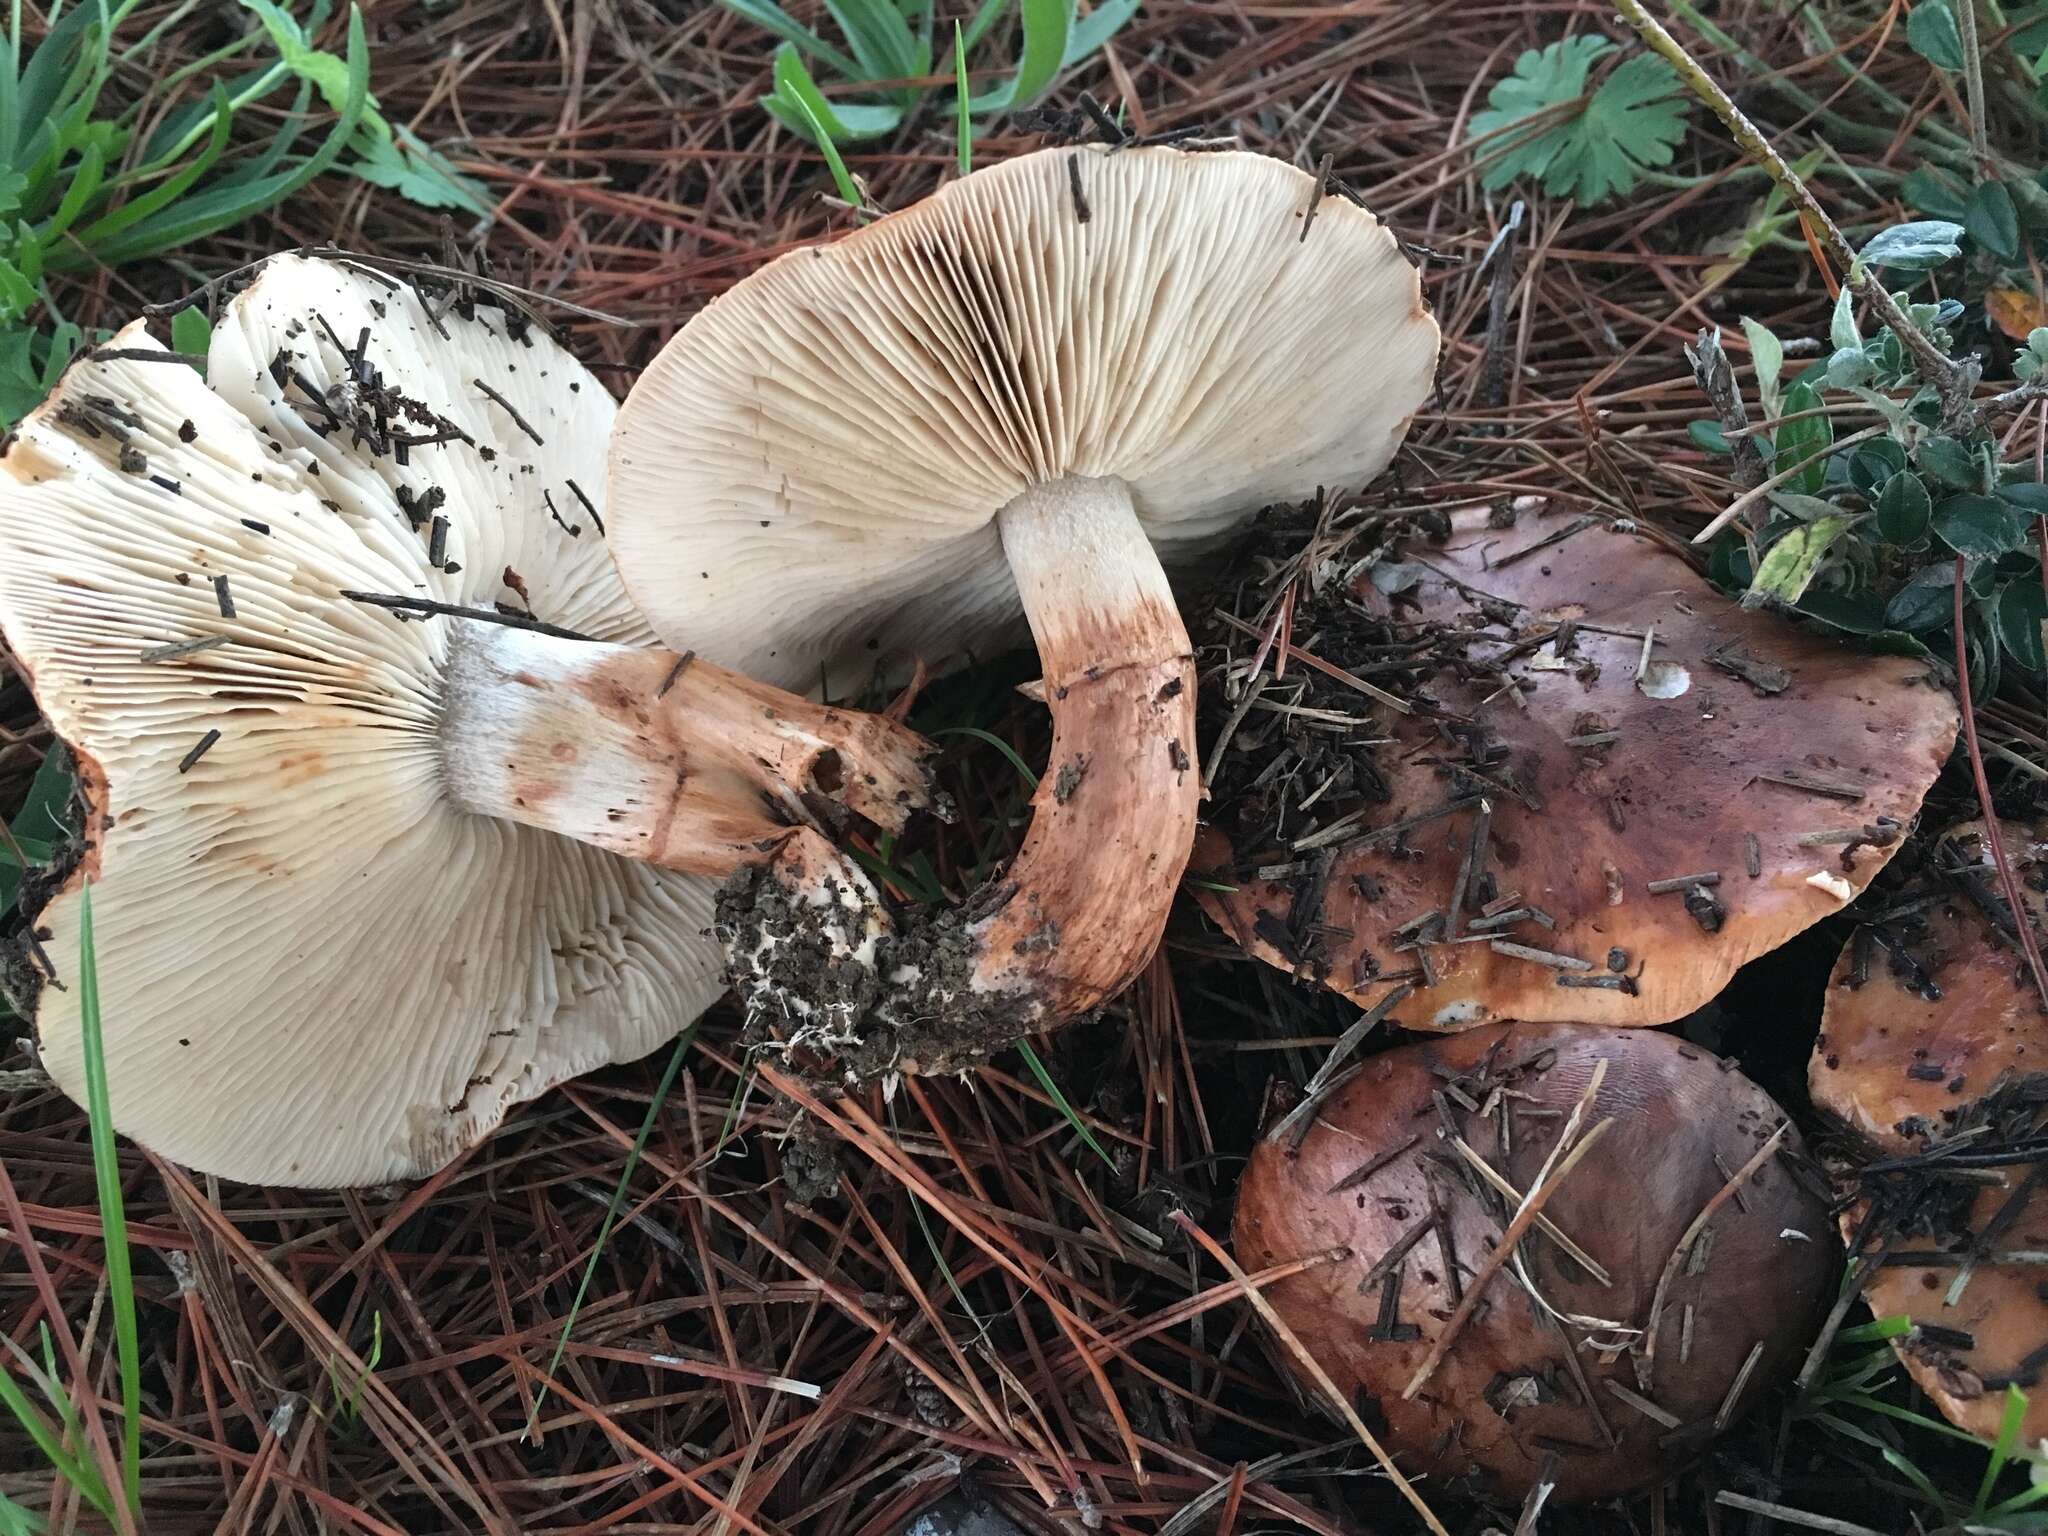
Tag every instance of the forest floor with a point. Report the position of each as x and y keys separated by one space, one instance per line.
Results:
x=1028 y=1325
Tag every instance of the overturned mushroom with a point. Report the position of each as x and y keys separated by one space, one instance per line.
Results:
x=336 y=941
x=1010 y=401
x=1934 y=1052
x=1612 y=789
x=1658 y=1286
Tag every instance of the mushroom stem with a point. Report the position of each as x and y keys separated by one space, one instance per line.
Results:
x=657 y=756
x=1113 y=820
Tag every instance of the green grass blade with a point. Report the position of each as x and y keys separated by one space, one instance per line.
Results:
x=1097 y=28
x=960 y=102
x=1047 y=24
x=983 y=19
x=78 y=1473
x=106 y=1171
x=991 y=739
x=16 y=1521
x=882 y=42
x=192 y=333
x=611 y=1215
x=771 y=17
x=799 y=104
x=1059 y=1099
x=136 y=209
x=1895 y=1327
x=2001 y=1449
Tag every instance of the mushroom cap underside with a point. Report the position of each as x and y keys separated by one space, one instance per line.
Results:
x=805 y=481
x=311 y=969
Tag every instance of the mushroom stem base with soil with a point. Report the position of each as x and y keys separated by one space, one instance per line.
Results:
x=1080 y=910
x=657 y=756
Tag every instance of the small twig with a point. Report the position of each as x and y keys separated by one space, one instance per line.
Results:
x=427 y=607
x=1954 y=381
x=1750 y=498
x=1973 y=81
x=1793 y=1516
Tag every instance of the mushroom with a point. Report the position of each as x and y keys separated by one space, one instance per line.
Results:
x=1933 y=1052
x=1021 y=397
x=1644 y=1307
x=337 y=937
x=1612 y=788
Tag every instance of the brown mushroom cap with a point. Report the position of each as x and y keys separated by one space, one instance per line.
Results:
x=1905 y=1069
x=1507 y=1393
x=1731 y=706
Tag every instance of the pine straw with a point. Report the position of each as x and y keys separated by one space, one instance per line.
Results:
x=985 y=1301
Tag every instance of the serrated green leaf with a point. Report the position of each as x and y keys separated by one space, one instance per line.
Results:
x=399 y=160
x=1634 y=120
x=1980 y=526
x=1920 y=246
x=1932 y=33
x=1993 y=222
x=1904 y=510
x=1803 y=435
x=1790 y=564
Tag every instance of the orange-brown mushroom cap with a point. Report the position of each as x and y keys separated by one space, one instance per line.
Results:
x=1737 y=740
x=1932 y=1027
x=1511 y=1391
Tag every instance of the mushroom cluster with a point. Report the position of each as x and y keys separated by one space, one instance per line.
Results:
x=364 y=723
x=1016 y=403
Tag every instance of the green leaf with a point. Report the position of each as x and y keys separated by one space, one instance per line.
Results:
x=1926 y=601
x=1842 y=331
x=2022 y=606
x=799 y=104
x=796 y=91
x=1634 y=120
x=1097 y=28
x=191 y=332
x=1992 y=221
x=1932 y=33
x=400 y=161
x=1767 y=354
x=328 y=74
x=17 y=295
x=1904 y=510
x=1949 y=462
x=765 y=13
x=2029 y=496
x=1790 y=564
x=1928 y=191
x=882 y=42
x=1046 y=26
x=1856 y=613
x=1917 y=247
x=1874 y=463
x=1798 y=441
x=1980 y=526
x=1707 y=436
